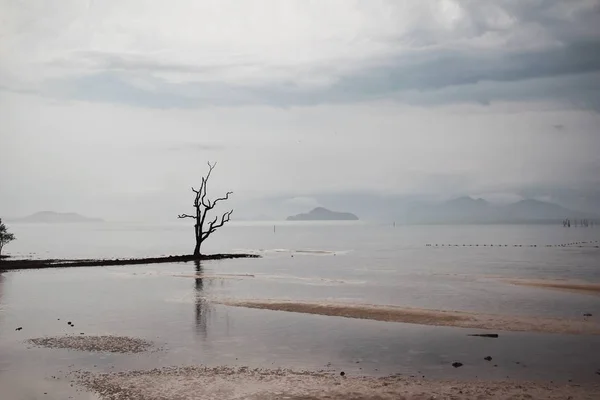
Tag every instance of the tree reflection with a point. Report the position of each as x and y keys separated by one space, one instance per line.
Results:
x=203 y=309
x=1 y=286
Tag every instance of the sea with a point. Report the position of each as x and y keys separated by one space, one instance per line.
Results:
x=176 y=306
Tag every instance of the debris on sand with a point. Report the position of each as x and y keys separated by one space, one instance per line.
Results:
x=110 y=344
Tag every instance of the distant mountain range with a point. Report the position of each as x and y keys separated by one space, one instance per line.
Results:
x=323 y=214
x=418 y=210
x=462 y=210
x=466 y=210
x=55 y=217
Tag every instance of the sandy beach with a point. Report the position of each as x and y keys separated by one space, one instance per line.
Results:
x=244 y=383
x=459 y=319
x=253 y=384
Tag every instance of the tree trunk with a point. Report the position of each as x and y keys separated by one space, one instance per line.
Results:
x=198 y=234
x=197 y=248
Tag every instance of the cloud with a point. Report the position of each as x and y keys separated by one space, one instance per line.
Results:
x=117 y=106
x=196 y=54
x=196 y=147
x=109 y=158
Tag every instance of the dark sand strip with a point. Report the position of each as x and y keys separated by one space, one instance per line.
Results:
x=459 y=319
x=569 y=286
x=60 y=263
x=227 y=383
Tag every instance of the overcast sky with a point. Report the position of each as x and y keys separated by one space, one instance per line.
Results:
x=113 y=108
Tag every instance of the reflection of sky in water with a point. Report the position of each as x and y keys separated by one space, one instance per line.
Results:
x=170 y=304
x=176 y=313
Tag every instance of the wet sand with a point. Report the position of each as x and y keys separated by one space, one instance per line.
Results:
x=564 y=285
x=109 y=344
x=459 y=319
x=254 y=384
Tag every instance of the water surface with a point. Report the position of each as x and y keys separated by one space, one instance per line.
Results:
x=374 y=264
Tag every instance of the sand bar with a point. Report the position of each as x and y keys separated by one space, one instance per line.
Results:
x=461 y=319
x=253 y=384
x=564 y=285
x=16 y=264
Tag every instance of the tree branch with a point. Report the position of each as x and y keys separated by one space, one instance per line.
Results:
x=204 y=184
x=212 y=227
x=185 y=216
x=206 y=202
x=214 y=203
x=212 y=223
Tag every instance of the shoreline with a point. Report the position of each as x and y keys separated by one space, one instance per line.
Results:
x=16 y=264
x=458 y=319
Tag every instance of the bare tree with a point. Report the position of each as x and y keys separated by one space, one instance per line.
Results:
x=5 y=236
x=202 y=205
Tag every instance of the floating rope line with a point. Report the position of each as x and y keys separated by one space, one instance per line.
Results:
x=591 y=243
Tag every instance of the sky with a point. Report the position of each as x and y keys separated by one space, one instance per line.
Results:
x=113 y=108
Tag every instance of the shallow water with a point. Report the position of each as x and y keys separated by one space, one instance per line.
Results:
x=360 y=263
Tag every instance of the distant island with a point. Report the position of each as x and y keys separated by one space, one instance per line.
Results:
x=323 y=214
x=52 y=217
